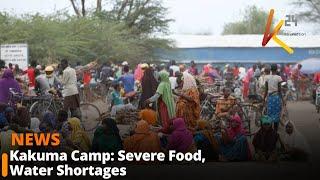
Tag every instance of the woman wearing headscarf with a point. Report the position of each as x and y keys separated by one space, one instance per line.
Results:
x=164 y=97
x=295 y=145
x=78 y=136
x=181 y=138
x=6 y=116
x=265 y=141
x=188 y=104
x=34 y=125
x=233 y=143
x=138 y=73
x=62 y=118
x=143 y=139
x=149 y=87
x=6 y=141
x=21 y=121
x=6 y=82
x=49 y=122
x=205 y=140
x=106 y=137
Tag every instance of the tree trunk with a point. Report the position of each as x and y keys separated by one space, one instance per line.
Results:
x=99 y=6
x=76 y=10
x=83 y=7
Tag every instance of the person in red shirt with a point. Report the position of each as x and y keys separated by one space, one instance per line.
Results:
x=316 y=78
x=287 y=70
x=86 y=77
x=236 y=71
x=31 y=74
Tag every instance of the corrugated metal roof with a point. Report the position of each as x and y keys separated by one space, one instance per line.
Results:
x=200 y=41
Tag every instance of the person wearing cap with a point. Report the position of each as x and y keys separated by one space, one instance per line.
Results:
x=51 y=77
x=265 y=141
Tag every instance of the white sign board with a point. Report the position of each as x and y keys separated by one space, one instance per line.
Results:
x=15 y=54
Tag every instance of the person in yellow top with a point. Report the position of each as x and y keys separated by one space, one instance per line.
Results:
x=225 y=104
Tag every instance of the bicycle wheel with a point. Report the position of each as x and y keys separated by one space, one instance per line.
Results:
x=108 y=99
x=90 y=116
x=207 y=111
x=251 y=117
x=38 y=108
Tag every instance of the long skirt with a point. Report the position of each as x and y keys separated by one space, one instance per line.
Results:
x=164 y=116
x=274 y=107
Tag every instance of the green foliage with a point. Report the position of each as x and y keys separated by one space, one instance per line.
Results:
x=253 y=22
x=98 y=35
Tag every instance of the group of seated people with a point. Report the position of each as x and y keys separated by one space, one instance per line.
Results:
x=229 y=143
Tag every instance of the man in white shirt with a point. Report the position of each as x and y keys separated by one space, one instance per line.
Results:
x=174 y=67
x=70 y=90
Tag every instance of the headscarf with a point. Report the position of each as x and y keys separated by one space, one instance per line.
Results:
x=143 y=140
x=78 y=136
x=23 y=117
x=207 y=68
x=164 y=89
x=188 y=81
x=138 y=73
x=203 y=126
x=107 y=140
x=34 y=125
x=295 y=139
x=181 y=138
x=149 y=85
x=6 y=141
x=6 y=83
x=50 y=119
x=265 y=140
x=239 y=130
x=266 y=120
x=3 y=120
x=148 y=115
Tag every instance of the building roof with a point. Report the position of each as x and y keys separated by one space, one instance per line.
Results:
x=249 y=40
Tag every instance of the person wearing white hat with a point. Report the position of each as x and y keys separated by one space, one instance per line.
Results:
x=51 y=77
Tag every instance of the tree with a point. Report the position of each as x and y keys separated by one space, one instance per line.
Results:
x=141 y=16
x=310 y=10
x=88 y=38
x=253 y=22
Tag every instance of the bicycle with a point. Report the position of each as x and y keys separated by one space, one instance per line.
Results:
x=208 y=107
x=251 y=114
x=90 y=114
x=18 y=98
x=45 y=103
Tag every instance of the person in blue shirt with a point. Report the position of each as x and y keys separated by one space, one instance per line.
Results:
x=117 y=103
x=127 y=80
x=115 y=95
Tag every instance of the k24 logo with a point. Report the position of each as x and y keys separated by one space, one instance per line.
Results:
x=267 y=35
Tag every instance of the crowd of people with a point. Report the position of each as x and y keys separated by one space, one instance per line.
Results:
x=170 y=99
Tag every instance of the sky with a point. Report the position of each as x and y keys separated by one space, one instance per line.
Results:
x=190 y=16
